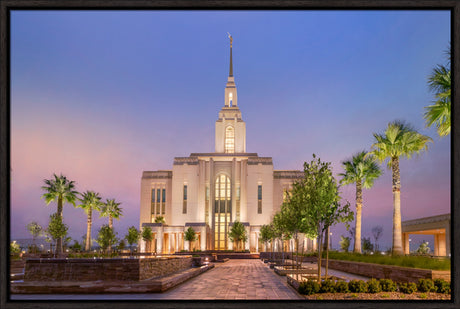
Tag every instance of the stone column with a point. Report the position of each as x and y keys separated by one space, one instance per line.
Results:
x=257 y=242
x=436 y=244
x=160 y=240
x=448 y=238
x=247 y=246
x=203 y=238
x=211 y=200
x=406 y=244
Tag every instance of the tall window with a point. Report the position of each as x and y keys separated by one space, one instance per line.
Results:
x=230 y=99
x=259 y=199
x=229 y=140
x=158 y=201
x=222 y=211
x=163 y=201
x=152 y=203
x=184 y=206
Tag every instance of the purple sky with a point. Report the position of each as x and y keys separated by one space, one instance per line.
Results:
x=101 y=96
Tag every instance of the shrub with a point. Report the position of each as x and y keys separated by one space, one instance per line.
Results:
x=341 y=287
x=327 y=286
x=373 y=286
x=309 y=287
x=388 y=285
x=407 y=287
x=357 y=286
x=426 y=285
x=442 y=286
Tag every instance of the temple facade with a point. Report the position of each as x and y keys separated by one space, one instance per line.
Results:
x=210 y=191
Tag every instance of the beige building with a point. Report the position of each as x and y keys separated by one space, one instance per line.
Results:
x=210 y=191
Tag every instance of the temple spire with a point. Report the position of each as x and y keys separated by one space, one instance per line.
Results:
x=231 y=60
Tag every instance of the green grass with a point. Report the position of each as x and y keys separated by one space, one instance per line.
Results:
x=424 y=262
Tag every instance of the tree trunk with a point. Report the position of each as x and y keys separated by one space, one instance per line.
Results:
x=320 y=245
x=88 y=230
x=111 y=226
x=359 y=204
x=58 y=248
x=397 y=239
x=327 y=252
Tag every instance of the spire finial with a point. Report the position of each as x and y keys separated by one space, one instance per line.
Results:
x=231 y=62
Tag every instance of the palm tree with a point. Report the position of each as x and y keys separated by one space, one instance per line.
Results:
x=89 y=201
x=439 y=113
x=110 y=209
x=399 y=139
x=362 y=170
x=61 y=190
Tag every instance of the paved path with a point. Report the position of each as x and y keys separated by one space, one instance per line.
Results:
x=235 y=279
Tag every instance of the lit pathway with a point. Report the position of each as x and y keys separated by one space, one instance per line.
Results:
x=234 y=279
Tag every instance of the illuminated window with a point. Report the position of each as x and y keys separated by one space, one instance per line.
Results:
x=158 y=201
x=229 y=140
x=230 y=99
x=184 y=206
x=259 y=199
x=222 y=211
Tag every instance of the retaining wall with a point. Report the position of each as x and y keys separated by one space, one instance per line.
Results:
x=103 y=269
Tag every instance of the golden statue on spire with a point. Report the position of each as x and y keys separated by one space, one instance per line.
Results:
x=231 y=39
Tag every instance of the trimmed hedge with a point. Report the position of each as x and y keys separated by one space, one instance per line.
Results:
x=327 y=286
x=388 y=285
x=426 y=285
x=341 y=287
x=442 y=286
x=357 y=286
x=309 y=287
x=407 y=287
x=373 y=286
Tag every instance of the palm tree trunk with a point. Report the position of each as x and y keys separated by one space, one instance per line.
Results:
x=111 y=226
x=58 y=249
x=88 y=230
x=397 y=239
x=359 y=204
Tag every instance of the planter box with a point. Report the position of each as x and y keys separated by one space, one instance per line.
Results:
x=283 y=270
x=395 y=273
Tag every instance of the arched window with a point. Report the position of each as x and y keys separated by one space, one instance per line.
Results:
x=230 y=99
x=229 y=140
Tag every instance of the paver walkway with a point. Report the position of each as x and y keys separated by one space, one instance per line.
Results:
x=235 y=279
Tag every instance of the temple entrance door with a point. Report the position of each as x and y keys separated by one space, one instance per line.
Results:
x=222 y=211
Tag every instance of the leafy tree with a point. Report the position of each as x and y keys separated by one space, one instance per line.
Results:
x=132 y=237
x=121 y=245
x=57 y=229
x=76 y=247
x=14 y=247
x=344 y=243
x=377 y=232
x=367 y=245
x=106 y=236
x=61 y=190
x=35 y=230
x=266 y=234
x=320 y=194
x=399 y=139
x=190 y=236
x=362 y=170
x=147 y=236
x=160 y=219
x=423 y=248
x=112 y=210
x=438 y=114
x=238 y=234
x=90 y=200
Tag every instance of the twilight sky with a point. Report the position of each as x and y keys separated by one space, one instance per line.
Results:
x=101 y=96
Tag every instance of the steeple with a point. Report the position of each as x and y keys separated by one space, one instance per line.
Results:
x=230 y=127
x=230 y=89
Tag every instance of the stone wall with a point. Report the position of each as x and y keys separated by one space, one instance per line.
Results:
x=103 y=269
x=395 y=273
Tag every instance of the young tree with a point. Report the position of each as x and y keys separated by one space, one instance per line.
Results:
x=362 y=170
x=57 y=229
x=190 y=236
x=147 y=236
x=377 y=232
x=35 y=230
x=438 y=114
x=319 y=192
x=76 y=247
x=60 y=190
x=399 y=139
x=266 y=234
x=367 y=245
x=132 y=237
x=90 y=200
x=14 y=247
x=344 y=243
x=238 y=234
x=423 y=248
x=106 y=237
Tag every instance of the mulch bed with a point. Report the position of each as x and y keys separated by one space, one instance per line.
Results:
x=379 y=296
